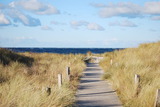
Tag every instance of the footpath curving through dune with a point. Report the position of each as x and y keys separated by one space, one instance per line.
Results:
x=94 y=92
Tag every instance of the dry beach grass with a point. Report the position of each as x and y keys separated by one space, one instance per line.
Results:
x=144 y=61
x=24 y=78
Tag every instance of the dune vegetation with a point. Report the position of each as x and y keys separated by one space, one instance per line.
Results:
x=144 y=61
x=25 y=78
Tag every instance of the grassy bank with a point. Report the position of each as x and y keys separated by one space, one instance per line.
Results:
x=24 y=78
x=144 y=61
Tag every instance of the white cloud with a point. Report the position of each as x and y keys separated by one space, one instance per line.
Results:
x=152 y=8
x=155 y=18
x=98 y=5
x=124 y=23
x=35 y=6
x=89 y=26
x=9 y=12
x=57 y=23
x=3 y=20
x=26 y=20
x=120 y=9
x=46 y=28
x=18 y=41
x=94 y=26
x=128 y=9
x=76 y=24
x=22 y=38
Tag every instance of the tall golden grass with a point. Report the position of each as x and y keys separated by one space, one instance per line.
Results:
x=24 y=78
x=144 y=61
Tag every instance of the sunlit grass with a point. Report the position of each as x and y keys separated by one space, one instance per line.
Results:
x=144 y=61
x=24 y=78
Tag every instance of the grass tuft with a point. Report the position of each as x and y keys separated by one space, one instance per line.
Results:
x=144 y=61
x=24 y=78
x=7 y=57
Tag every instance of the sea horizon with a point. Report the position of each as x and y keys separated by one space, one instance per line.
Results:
x=62 y=50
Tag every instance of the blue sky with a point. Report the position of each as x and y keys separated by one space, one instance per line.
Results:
x=79 y=23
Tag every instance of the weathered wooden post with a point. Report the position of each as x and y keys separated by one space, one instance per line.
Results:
x=48 y=90
x=111 y=62
x=68 y=73
x=68 y=70
x=137 y=83
x=157 y=100
x=59 y=80
x=137 y=79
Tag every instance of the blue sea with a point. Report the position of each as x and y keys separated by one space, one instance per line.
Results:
x=65 y=50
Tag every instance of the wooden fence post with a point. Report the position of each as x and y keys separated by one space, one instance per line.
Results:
x=137 y=79
x=111 y=62
x=137 y=83
x=157 y=100
x=59 y=80
x=48 y=90
x=68 y=73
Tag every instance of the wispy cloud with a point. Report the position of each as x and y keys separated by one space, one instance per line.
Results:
x=94 y=26
x=57 y=23
x=35 y=6
x=4 y=21
x=12 y=16
x=98 y=5
x=88 y=25
x=46 y=28
x=15 y=12
x=151 y=8
x=125 y=23
x=155 y=18
x=18 y=42
x=76 y=24
x=26 y=20
x=128 y=9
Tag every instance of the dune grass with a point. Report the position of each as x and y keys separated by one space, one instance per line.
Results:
x=144 y=61
x=24 y=78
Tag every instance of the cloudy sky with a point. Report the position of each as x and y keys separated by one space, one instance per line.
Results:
x=79 y=23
